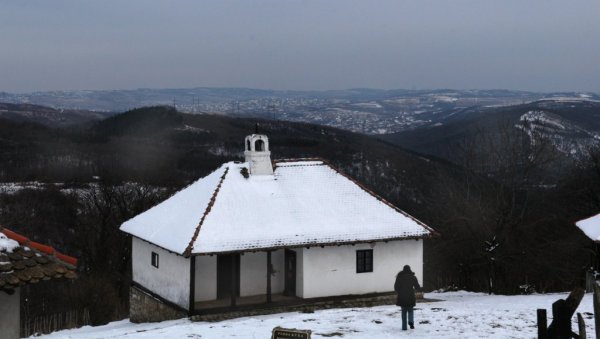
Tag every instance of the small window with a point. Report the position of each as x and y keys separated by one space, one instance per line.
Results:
x=247 y=145
x=364 y=261
x=259 y=145
x=155 y=259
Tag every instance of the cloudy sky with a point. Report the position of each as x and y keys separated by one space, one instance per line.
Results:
x=541 y=45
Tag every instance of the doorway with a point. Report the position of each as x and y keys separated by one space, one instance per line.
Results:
x=290 y=273
x=228 y=265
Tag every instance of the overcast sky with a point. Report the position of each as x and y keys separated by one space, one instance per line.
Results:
x=541 y=45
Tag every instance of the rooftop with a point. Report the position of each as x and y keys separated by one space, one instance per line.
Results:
x=591 y=227
x=23 y=261
x=304 y=203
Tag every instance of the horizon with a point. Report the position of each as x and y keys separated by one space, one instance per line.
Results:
x=302 y=90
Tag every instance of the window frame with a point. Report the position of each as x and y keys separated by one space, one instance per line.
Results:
x=154 y=259
x=364 y=261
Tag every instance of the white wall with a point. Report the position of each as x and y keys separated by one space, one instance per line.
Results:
x=331 y=270
x=171 y=280
x=9 y=315
x=206 y=278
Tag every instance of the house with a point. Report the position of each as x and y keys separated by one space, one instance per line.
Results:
x=263 y=231
x=591 y=228
x=23 y=262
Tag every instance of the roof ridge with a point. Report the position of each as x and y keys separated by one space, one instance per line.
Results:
x=298 y=159
x=48 y=250
x=378 y=197
x=211 y=203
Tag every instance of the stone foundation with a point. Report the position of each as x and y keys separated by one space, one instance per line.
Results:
x=307 y=306
x=144 y=308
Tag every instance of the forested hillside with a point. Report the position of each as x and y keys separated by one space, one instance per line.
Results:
x=89 y=179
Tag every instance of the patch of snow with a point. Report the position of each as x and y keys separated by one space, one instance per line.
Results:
x=541 y=117
x=368 y=105
x=458 y=315
x=570 y=99
x=6 y=244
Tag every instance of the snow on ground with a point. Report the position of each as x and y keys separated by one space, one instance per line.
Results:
x=459 y=315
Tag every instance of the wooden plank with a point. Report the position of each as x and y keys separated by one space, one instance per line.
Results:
x=233 y=281
x=269 y=276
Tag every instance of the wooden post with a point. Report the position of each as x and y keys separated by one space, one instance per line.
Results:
x=233 y=280
x=268 y=276
x=597 y=309
x=562 y=311
x=542 y=324
x=581 y=326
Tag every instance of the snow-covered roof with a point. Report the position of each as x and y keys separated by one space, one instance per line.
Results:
x=7 y=244
x=591 y=227
x=305 y=203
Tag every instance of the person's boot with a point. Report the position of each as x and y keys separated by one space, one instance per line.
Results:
x=412 y=326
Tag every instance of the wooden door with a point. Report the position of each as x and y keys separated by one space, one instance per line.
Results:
x=228 y=265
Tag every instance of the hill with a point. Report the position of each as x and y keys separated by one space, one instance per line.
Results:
x=565 y=130
x=88 y=180
x=48 y=116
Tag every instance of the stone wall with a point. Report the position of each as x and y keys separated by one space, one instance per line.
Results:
x=144 y=308
x=308 y=306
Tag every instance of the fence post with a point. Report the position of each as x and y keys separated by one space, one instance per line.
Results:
x=597 y=309
x=581 y=326
x=542 y=324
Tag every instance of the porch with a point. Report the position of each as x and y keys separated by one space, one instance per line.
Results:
x=240 y=302
x=293 y=304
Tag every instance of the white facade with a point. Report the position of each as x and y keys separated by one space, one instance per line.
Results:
x=320 y=271
x=171 y=280
x=10 y=323
x=331 y=271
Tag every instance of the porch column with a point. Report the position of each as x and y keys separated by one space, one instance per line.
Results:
x=268 y=276
x=233 y=280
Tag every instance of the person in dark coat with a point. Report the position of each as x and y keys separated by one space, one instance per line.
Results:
x=406 y=285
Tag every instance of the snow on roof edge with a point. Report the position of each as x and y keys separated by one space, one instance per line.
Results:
x=590 y=227
x=7 y=244
x=308 y=244
x=190 y=248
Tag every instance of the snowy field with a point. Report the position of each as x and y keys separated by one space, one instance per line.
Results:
x=459 y=315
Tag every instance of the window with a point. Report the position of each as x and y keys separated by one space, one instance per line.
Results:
x=248 y=145
x=364 y=261
x=155 y=259
x=259 y=145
